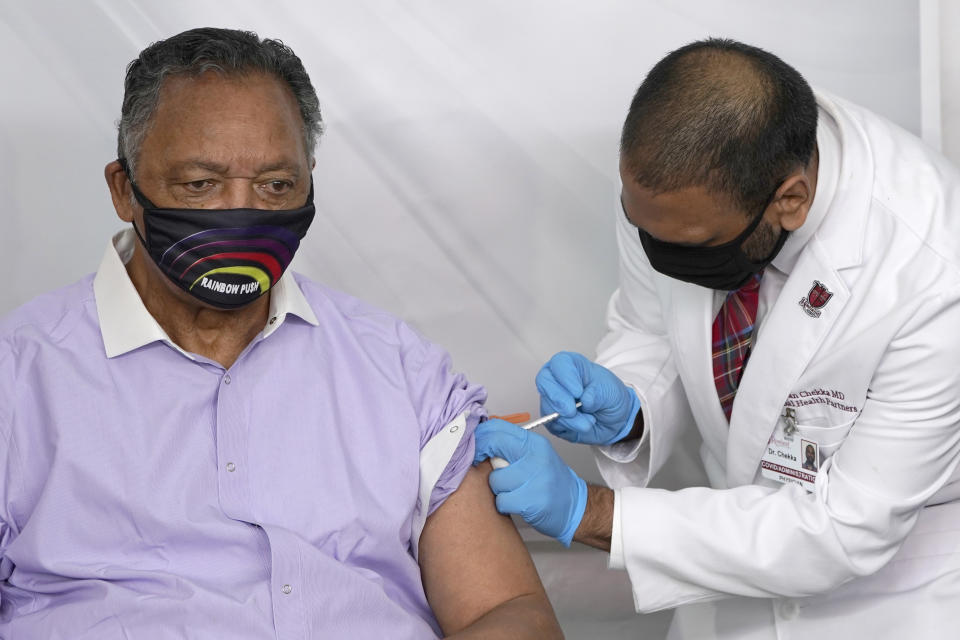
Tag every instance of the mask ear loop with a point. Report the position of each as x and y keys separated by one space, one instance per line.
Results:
x=756 y=223
x=141 y=199
x=746 y=233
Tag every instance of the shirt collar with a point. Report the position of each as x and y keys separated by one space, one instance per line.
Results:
x=286 y=298
x=828 y=173
x=125 y=323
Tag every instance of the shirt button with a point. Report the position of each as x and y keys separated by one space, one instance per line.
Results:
x=789 y=609
x=231 y=467
x=226 y=379
x=286 y=588
x=273 y=320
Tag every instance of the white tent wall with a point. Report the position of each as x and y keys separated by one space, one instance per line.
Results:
x=468 y=177
x=947 y=26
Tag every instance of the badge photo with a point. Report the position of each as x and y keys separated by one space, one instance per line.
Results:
x=811 y=455
x=789 y=459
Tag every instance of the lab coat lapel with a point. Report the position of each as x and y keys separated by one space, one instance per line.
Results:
x=787 y=340
x=693 y=312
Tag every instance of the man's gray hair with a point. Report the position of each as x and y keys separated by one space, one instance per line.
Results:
x=197 y=51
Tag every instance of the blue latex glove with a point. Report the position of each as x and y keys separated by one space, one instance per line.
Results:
x=537 y=485
x=609 y=406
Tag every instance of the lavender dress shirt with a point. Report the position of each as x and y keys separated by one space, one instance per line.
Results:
x=146 y=492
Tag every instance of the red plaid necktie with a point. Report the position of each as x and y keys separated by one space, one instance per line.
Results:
x=732 y=333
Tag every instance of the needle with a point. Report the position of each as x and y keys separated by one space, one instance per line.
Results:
x=500 y=463
x=547 y=419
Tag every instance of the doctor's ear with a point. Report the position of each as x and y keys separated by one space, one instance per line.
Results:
x=120 y=191
x=793 y=200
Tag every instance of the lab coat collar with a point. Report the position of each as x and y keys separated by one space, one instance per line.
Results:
x=828 y=172
x=785 y=343
x=125 y=323
x=777 y=362
x=832 y=242
x=693 y=313
x=840 y=224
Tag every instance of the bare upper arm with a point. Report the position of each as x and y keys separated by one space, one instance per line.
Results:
x=472 y=558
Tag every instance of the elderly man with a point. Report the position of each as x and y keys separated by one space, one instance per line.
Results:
x=198 y=444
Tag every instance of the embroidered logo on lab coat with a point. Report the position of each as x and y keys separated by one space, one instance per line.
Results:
x=816 y=299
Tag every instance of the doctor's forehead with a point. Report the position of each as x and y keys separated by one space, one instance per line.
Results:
x=686 y=216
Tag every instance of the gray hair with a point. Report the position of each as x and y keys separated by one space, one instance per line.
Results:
x=197 y=51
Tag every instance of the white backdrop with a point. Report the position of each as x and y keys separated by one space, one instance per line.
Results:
x=947 y=16
x=467 y=179
x=468 y=176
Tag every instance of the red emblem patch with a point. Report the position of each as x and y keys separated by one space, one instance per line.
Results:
x=819 y=295
x=815 y=300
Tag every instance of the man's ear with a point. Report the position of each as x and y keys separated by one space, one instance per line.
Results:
x=120 y=190
x=793 y=201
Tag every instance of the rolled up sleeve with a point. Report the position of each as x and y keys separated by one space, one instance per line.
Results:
x=439 y=395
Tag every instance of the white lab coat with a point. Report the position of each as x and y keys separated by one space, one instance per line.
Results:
x=874 y=551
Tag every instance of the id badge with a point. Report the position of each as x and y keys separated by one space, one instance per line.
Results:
x=790 y=457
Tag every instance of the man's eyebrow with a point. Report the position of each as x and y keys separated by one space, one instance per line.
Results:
x=200 y=164
x=281 y=166
x=223 y=169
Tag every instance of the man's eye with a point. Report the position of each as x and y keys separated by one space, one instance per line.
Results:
x=198 y=185
x=276 y=187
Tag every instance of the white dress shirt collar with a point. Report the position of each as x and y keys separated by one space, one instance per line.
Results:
x=125 y=323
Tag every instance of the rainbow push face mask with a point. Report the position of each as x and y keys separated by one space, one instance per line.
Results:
x=226 y=258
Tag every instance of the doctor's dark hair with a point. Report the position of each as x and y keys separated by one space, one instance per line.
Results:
x=195 y=52
x=722 y=115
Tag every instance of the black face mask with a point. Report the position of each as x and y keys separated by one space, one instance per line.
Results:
x=226 y=258
x=723 y=266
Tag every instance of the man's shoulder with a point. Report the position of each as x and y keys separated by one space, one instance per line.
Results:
x=52 y=315
x=358 y=316
x=325 y=300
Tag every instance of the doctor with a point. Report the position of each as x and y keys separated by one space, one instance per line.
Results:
x=790 y=278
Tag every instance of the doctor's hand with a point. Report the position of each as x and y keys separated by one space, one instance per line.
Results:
x=608 y=408
x=537 y=485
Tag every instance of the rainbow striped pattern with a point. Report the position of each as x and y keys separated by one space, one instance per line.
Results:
x=226 y=258
x=255 y=252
